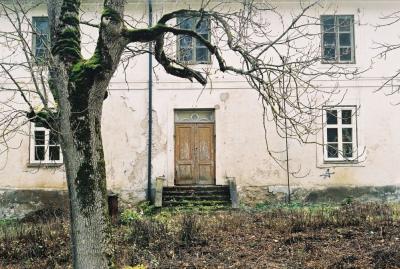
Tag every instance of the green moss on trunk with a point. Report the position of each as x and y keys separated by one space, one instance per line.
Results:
x=68 y=42
x=112 y=14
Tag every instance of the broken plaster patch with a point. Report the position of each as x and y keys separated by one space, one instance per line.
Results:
x=224 y=97
x=137 y=178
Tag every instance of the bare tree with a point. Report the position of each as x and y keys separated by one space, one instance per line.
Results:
x=388 y=49
x=69 y=90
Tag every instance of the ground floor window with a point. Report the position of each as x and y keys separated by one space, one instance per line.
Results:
x=44 y=145
x=340 y=134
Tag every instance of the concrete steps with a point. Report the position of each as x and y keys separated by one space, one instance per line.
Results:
x=208 y=195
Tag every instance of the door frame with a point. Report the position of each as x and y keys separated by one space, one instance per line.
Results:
x=213 y=140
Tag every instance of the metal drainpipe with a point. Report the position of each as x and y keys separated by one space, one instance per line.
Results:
x=150 y=107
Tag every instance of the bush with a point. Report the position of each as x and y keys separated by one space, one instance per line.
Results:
x=148 y=233
x=129 y=215
x=190 y=230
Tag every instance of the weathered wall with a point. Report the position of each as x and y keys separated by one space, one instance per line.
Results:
x=240 y=145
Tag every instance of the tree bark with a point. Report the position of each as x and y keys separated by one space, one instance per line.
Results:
x=86 y=177
x=81 y=141
x=79 y=86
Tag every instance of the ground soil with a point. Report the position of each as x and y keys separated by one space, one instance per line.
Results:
x=355 y=236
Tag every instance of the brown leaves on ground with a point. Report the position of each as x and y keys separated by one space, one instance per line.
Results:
x=351 y=236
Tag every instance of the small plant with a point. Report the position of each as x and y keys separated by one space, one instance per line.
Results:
x=148 y=233
x=129 y=215
x=348 y=200
x=190 y=229
x=146 y=208
x=139 y=266
x=7 y=222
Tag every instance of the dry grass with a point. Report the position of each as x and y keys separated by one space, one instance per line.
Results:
x=348 y=236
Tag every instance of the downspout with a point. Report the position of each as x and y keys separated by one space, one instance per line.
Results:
x=150 y=107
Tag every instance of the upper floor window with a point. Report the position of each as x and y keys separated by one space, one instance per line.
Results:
x=337 y=38
x=191 y=50
x=340 y=133
x=40 y=38
x=44 y=146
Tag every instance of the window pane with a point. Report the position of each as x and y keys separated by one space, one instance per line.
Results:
x=41 y=36
x=187 y=45
x=328 y=23
x=185 y=23
x=39 y=153
x=39 y=137
x=332 y=134
x=202 y=27
x=330 y=40
x=54 y=153
x=345 y=39
x=345 y=54
x=348 y=150
x=198 y=42
x=332 y=150
x=344 y=23
x=329 y=54
x=201 y=54
x=331 y=116
x=41 y=25
x=40 y=53
x=347 y=134
x=346 y=116
x=53 y=140
x=41 y=41
x=185 y=54
x=185 y=41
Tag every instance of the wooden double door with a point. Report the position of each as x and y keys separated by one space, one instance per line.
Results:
x=194 y=154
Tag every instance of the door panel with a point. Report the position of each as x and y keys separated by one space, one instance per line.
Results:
x=184 y=159
x=204 y=147
x=185 y=134
x=194 y=154
x=205 y=175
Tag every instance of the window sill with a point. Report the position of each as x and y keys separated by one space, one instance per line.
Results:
x=44 y=165
x=328 y=164
x=338 y=63
x=194 y=63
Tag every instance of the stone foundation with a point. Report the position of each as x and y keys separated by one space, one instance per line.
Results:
x=252 y=195
x=18 y=203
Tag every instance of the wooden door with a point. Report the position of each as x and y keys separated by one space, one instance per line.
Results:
x=194 y=154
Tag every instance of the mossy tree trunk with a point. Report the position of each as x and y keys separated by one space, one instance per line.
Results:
x=79 y=86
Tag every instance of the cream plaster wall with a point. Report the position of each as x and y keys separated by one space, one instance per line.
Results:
x=240 y=146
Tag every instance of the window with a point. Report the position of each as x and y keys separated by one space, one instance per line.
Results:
x=45 y=147
x=338 y=38
x=340 y=134
x=40 y=39
x=191 y=50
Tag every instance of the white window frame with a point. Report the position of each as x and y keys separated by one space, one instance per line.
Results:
x=194 y=43
x=35 y=37
x=337 y=33
x=46 y=145
x=340 y=126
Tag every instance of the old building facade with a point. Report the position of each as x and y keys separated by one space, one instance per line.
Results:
x=207 y=135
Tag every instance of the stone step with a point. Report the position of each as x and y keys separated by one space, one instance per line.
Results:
x=196 y=188
x=196 y=195
x=196 y=192
x=197 y=198
x=186 y=203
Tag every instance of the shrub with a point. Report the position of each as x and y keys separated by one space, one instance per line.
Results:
x=190 y=230
x=129 y=215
